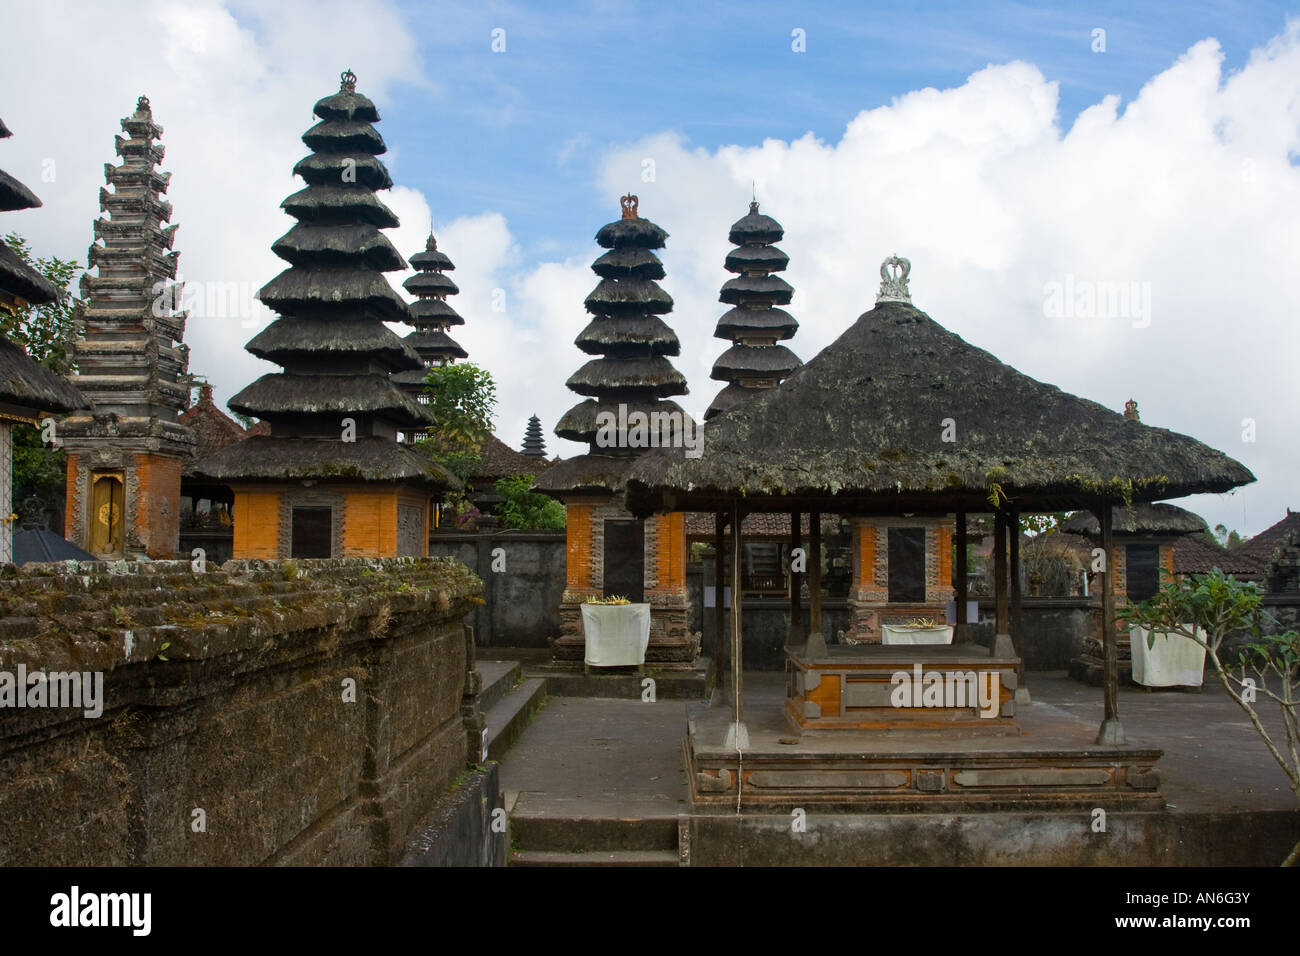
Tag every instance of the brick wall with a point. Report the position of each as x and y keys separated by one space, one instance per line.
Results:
x=157 y=492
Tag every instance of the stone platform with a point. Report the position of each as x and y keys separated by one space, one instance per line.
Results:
x=857 y=688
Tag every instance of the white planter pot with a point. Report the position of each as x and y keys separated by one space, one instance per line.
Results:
x=616 y=634
x=1172 y=661
x=895 y=634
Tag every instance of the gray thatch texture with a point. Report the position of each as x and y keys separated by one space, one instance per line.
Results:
x=434 y=340
x=21 y=280
x=29 y=385
x=639 y=296
x=14 y=195
x=580 y=422
x=282 y=393
x=755 y=228
x=430 y=283
x=641 y=233
x=1142 y=518
x=343 y=136
x=754 y=361
x=603 y=335
x=305 y=339
x=585 y=473
x=346 y=105
x=268 y=458
x=742 y=319
x=298 y=287
x=613 y=374
x=434 y=311
x=432 y=259
x=339 y=203
x=309 y=244
x=766 y=258
x=864 y=419
x=772 y=289
x=628 y=262
x=328 y=169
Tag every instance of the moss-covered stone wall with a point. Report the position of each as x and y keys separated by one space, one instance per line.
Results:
x=304 y=712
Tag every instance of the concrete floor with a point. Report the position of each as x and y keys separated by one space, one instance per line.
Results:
x=623 y=758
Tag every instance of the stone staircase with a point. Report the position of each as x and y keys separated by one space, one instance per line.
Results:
x=508 y=701
x=563 y=840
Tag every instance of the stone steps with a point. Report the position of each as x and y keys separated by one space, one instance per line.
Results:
x=499 y=677
x=507 y=718
x=594 y=858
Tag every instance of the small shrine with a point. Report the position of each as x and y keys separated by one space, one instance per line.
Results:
x=534 y=445
x=627 y=410
x=1147 y=537
x=917 y=719
x=331 y=479
x=126 y=453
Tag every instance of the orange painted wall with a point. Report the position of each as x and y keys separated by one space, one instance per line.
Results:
x=370 y=524
x=257 y=525
x=577 y=538
x=865 y=574
x=944 y=547
x=157 y=503
x=671 y=570
x=70 y=501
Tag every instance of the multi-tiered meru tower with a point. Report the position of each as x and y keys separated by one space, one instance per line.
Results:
x=125 y=454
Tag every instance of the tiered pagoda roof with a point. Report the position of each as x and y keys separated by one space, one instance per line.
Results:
x=130 y=359
x=330 y=338
x=431 y=315
x=534 y=444
x=632 y=373
x=26 y=386
x=754 y=325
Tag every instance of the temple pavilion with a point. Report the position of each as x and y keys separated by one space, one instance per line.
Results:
x=628 y=407
x=900 y=419
x=28 y=390
x=331 y=479
x=126 y=453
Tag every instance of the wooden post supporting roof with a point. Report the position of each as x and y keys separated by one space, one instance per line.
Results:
x=794 y=638
x=1002 y=646
x=962 y=592
x=816 y=644
x=1112 y=730
x=720 y=642
x=1016 y=615
x=737 y=736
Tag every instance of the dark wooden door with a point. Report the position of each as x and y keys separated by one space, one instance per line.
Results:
x=625 y=560
x=907 y=565
x=313 y=533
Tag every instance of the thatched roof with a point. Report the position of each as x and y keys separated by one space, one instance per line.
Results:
x=267 y=458
x=430 y=283
x=1140 y=519
x=603 y=335
x=864 y=420
x=325 y=169
x=212 y=428
x=299 y=339
x=754 y=361
x=284 y=393
x=327 y=203
x=28 y=385
x=341 y=136
x=299 y=288
x=19 y=279
x=434 y=312
x=14 y=195
x=612 y=373
x=596 y=474
x=629 y=262
x=763 y=524
x=534 y=442
x=308 y=243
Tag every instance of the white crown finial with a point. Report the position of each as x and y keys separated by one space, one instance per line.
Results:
x=893 y=280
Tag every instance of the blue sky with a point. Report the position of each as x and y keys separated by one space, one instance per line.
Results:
x=991 y=145
x=576 y=80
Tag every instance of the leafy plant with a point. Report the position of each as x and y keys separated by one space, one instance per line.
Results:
x=462 y=397
x=526 y=509
x=1207 y=608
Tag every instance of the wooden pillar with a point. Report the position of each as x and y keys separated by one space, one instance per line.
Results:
x=737 y=737
x=1017 y=635
x=816 y=644
x=720 y=643
x=1002 y=646
x=1112 y=730
x=794 y=638
x=961 y=585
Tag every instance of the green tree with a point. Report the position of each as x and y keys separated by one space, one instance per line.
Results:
x=528 y=510
x=46 y=333
x=1206 y=609
x=462 y=397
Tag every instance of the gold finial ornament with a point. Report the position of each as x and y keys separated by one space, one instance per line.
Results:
x=347 y=82
x=630 y=203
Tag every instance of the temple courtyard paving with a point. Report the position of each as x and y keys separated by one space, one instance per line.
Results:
x=602 y=781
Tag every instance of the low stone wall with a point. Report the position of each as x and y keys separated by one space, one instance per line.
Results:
x=523 y=593
x=288 y=712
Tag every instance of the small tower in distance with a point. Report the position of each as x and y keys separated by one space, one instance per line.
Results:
x=534 y=444
x=126 y=454
x=754 y=325
x=432 y=316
